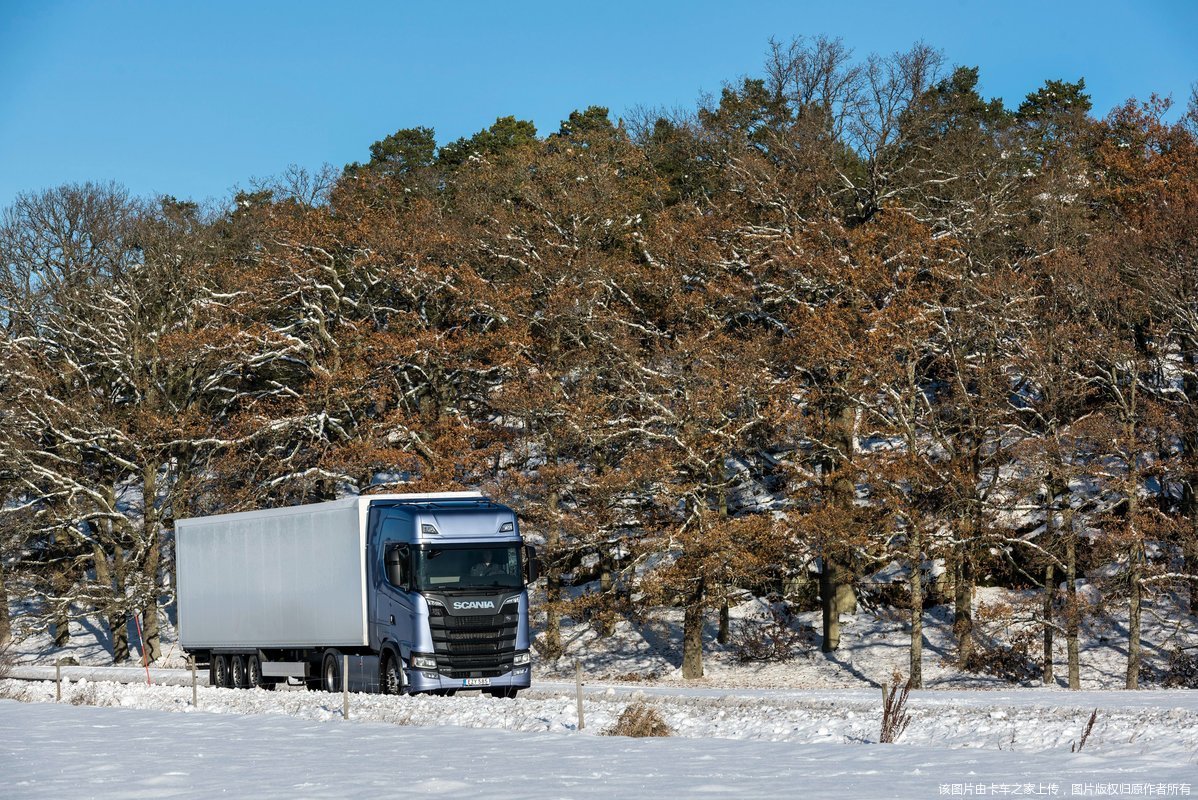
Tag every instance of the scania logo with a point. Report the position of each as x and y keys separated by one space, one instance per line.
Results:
x=461 y=605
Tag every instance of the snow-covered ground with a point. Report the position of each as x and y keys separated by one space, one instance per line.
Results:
x=755 y=744
x=809 y=726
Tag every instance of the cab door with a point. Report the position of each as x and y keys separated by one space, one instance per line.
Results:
x=393 y=604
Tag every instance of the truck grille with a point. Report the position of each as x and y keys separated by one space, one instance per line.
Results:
x=479 y=646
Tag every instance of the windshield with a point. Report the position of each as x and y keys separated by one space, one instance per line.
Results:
x=469 y=567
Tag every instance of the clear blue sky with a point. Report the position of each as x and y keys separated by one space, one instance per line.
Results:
x=194 y=98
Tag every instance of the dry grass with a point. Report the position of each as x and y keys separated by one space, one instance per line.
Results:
x=895 y=718
x=1078 y=745
x=639 y=720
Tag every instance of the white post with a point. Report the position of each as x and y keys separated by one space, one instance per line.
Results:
x=578 y=687
x=194 y=699
x=345 y=687
x=58 y=680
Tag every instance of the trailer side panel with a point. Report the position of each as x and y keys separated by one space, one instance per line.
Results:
x=282 y=578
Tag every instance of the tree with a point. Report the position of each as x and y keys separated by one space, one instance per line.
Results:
x=507 y=134
x=401 y=154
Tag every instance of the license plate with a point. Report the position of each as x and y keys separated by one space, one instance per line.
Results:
x=476 y=682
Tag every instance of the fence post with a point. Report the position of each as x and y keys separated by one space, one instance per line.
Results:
x=345 y=687
x=58 y=680
x=578 y=688
x=194 y=699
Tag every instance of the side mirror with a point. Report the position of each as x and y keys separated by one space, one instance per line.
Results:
x=396 y=562
x=534 y=563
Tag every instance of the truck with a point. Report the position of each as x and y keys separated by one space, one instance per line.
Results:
x=390 y=593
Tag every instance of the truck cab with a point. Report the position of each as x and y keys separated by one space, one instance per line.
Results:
x=450 y=603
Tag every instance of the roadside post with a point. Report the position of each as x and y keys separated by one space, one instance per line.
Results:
x=345 y=687
x=578 y=688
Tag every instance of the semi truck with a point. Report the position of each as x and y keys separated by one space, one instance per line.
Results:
x=391 y=593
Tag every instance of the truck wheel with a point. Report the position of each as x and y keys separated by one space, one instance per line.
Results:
x=253 y=672
x=391 y=680
x=330 y=672
x=220 y=672
x=237 y=672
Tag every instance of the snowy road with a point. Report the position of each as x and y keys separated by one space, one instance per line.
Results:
x=55 y=751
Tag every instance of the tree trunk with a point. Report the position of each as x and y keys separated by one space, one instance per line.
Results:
x=722 y=635
x=1190 y=547
x=5 y=618
x=1050 y=591
x=60 y=607
x=1135 y=600
x=963 y=604
x=1072 y=609
x=1189 y=497
x=150 y=531
x=1191 y=568
x=831 y=599
x=692 y=633
x=1136 y=555
x=114 y=619
x=553 y=584
x=62 y=624
x=119 y=620
x=836 y=578
x=915 y=560
x=606 y=619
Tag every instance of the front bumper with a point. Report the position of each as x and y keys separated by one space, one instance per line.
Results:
x=423 y=680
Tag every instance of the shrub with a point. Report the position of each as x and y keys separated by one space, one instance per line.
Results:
x=639 y=720
x=1007 y=651
x=775 y=639
x=1182 y=670
x=1010 y=662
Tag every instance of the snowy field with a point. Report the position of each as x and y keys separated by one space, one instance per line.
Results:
x=57 y=751
x=804 y=728
x=148 y=741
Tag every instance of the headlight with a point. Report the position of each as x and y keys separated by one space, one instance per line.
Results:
x=521 y=658
x=420 y=661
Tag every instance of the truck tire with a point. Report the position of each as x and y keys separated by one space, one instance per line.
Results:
x=330 y=671
x=253 y=672
x=220 y=672
x=237 y=678
x=391 y=677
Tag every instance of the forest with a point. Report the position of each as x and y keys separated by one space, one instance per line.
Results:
x=847 y=315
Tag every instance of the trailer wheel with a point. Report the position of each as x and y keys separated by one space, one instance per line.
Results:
x=237 y=672
x=220 y=672
x=392 y=679
x=253 y=672
x=330 y=672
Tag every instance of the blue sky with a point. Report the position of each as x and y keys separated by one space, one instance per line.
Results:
x=196 y=98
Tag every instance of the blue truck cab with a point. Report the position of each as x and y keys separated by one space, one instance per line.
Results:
x=450 y=595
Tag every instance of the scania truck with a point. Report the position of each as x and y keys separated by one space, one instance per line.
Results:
x=416 y=592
